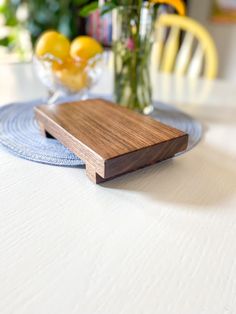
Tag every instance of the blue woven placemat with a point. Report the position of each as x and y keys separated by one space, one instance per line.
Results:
x=20 y=134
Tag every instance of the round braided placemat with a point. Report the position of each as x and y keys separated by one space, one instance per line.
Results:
x=20 y=134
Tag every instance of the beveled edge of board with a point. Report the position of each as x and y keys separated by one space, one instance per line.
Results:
x=136 y=159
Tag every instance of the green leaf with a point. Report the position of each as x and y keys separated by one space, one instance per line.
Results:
x=4 y=42
x=107 y=7
x=88 y=9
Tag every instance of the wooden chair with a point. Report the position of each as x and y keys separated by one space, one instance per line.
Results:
x=192 y=55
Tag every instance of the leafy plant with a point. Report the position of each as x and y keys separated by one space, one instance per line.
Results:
x=53 y=14
x=13 y=31
x=42 y=15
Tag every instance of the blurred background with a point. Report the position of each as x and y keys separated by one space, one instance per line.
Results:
x=22 y=21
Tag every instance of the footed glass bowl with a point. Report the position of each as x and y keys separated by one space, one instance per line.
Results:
x=71 y=79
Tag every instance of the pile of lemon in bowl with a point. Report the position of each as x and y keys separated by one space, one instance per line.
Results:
x=68 y=66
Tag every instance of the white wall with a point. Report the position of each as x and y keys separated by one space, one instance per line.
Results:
x=223 y=34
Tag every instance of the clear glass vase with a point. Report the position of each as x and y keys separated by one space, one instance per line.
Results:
x=133 y=33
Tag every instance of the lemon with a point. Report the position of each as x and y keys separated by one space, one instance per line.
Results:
x=68 y=63
x=74 y=82
x=54 y=43
x=71 y=74
x=85 y=47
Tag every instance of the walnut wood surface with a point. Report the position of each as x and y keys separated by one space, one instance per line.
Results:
x=110 y=139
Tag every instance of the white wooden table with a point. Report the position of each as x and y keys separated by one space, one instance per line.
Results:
x=160 y=240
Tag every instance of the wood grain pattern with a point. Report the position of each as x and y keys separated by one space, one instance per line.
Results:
x=110 y=139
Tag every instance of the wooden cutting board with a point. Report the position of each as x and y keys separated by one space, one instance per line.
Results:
x=110 y=139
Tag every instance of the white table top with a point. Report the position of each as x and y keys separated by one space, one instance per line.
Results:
x=160 y=240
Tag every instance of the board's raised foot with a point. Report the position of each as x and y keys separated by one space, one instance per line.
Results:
x=43 y=131
x=93 y=176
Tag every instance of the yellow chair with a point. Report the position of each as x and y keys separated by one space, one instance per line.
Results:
x=195 y=55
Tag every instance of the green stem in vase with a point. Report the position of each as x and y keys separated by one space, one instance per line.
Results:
x=132 y=48
x=136 y=57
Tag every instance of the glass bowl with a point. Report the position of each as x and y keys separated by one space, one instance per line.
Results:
x=71 y=79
